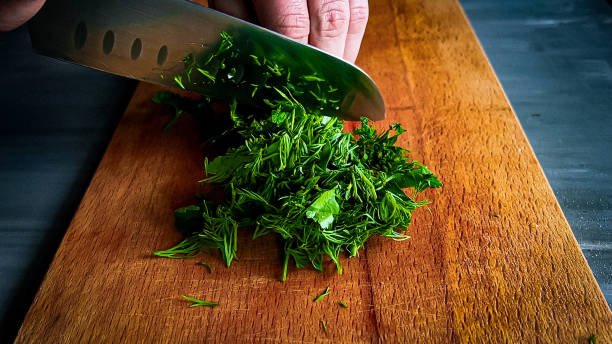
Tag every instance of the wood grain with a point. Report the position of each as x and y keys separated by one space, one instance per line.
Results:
x=494 y=261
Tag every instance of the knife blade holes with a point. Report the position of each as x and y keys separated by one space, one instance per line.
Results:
x=162 y=55
x=136 y=49
x=80 y=35
x=108 y=42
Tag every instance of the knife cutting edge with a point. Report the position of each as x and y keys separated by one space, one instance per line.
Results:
x=147 y=39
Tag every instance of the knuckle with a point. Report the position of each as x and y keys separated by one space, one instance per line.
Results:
x=294 y=24
x=359 y=14
x=333 y=18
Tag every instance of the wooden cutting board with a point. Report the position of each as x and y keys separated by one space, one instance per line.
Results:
x=494 y=261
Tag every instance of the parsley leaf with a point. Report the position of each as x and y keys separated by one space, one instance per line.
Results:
x=324 y=208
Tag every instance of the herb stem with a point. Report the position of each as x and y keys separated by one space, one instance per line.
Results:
x=210 y=269
x=285 y=264
x=324 y=294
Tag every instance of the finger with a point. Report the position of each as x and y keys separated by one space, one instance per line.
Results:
x=357 y=24
x=287 y=17
x=329 y=23
x=235 y=8
x=13 y=13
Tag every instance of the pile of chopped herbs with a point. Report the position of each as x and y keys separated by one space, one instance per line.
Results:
x=290 y=170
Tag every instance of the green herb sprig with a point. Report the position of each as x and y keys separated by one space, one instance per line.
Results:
x=197 y=303
x=292 y=171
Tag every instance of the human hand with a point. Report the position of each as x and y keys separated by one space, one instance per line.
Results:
x=336 y=26
x=14 y=13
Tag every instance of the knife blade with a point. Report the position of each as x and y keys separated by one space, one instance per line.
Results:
x=144 y=40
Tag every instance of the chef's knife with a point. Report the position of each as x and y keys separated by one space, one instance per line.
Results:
x=147 y=39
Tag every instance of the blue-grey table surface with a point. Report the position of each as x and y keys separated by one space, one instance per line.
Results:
x=553 y=58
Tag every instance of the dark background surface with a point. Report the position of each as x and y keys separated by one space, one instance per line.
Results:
x=553 y=58
x=56 y=121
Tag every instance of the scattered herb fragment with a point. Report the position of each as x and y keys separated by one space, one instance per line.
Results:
x=290 y=169
x=593 y=339
x=197 y=302
x=179 y=81
x=207 y=265
x=184 y=249
x=324 y=325
x=342 y=304
x=325 y=293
